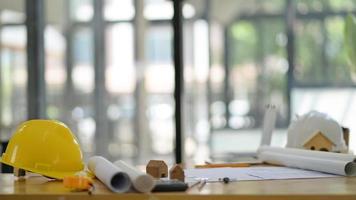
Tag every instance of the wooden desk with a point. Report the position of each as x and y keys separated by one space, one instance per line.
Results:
x=36 y=187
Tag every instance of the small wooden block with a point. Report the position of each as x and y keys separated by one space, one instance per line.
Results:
x=157 y=168
x=176 y=172
x=19 y=172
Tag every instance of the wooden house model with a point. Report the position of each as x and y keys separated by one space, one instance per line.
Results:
x=157 y=168
x=318 y=141
x=176 y=172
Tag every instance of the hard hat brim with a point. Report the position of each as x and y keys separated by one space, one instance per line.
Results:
x=49 y=174
x=59 y=175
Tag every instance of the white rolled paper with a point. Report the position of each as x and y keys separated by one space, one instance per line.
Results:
x=269 y=122
x=304 y=152
x=113 y=177
x=334 y=163
x=142 y=182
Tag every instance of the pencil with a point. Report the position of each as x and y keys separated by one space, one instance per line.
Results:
x=196 y=183
x=217 y=165
x=202 y=184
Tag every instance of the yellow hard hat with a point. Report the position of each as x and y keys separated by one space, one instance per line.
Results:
x=46 y=147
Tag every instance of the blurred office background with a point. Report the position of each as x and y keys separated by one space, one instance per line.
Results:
x=116 y=94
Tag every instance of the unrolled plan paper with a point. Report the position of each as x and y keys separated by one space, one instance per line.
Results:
x=251 y=174
x=113 y=177
x=334 y=163
x=142 y=182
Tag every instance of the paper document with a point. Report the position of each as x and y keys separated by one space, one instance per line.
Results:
x=251 y=174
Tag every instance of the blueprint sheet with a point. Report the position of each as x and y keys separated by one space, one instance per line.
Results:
x=251 y=174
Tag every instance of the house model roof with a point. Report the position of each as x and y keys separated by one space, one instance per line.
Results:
x=177 y=167
x=156 y=163
x=316 y=134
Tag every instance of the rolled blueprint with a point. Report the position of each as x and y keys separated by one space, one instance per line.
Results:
x=112 y=176
x=309 y=153
x=334 y=163
x=142 y=182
